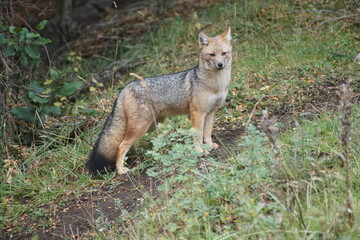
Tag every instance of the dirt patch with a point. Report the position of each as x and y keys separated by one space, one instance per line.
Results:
x=80 y=217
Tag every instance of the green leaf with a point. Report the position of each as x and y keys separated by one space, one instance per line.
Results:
x=32 y=51
x=2 y=26
x=23 y=33
x=31 y=35
x=24 y=113
x=9 y=51
x=69 y=88
x=41 y=25
x=36 y=98
x=12 y=29
x=3 y=39
x=41 y=41
x=52 y=110
x=54 y=74
x=37 y=87
x=91 y=111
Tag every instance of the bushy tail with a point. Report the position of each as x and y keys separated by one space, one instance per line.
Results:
x=103 y=155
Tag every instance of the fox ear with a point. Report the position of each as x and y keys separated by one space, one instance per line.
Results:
x=203 y=39
x=227 y=34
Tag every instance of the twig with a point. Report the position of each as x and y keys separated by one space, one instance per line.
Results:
x=105 y=24
x=253 y=111
x=337 y=19
x=109 y=37
x=117 y=45
x=8 y=70
x=118 y=69
x=316 y=11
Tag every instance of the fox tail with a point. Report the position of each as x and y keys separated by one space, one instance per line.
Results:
x=103 y=155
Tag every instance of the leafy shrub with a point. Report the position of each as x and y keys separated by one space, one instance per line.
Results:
x=32 y=98
x=22 y=45
x=41 y=94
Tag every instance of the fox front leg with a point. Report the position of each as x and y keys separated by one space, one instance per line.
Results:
x=198 y=120
x=208 y=126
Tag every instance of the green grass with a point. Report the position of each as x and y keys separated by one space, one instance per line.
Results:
x=279 y=54
x=245 y=197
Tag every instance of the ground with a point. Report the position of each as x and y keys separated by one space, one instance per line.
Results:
x=78 y=216
x=74 y=220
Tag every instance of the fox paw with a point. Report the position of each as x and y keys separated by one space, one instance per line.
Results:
x=123 y=170
x=214 y=145
x=202 y=151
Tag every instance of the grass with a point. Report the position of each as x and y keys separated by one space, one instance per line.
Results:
x=241 y=198
x=280 y=58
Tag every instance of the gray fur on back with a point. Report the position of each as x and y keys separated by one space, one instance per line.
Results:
x=165 y=92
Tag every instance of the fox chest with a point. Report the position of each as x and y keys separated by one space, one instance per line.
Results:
x=215 y=101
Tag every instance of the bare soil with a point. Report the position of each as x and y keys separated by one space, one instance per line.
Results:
x=78 y=218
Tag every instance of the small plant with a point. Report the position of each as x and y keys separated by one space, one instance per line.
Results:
x=45 y=98
x=22 y=45
x=252 y=157
x=174 y=153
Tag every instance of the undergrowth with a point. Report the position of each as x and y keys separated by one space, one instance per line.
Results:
x=243 y=198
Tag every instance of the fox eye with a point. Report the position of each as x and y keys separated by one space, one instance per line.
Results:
x=224 y=53
x=212 y=55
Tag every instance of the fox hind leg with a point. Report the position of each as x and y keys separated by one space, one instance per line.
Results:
x=134 y=131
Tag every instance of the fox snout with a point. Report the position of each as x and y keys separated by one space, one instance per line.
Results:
x=220 y=65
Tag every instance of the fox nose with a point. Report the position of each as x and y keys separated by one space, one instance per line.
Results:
x=220 y=65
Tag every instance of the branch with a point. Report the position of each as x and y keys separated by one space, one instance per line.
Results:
x=338 y=18
x=316 y=11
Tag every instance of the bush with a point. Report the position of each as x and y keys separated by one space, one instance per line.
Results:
x=25 y=93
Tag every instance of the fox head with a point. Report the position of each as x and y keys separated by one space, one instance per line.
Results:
x=215 y=52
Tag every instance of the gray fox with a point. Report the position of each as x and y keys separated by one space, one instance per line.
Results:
x=198 y=91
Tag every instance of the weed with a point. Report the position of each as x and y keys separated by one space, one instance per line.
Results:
x=345 y=94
